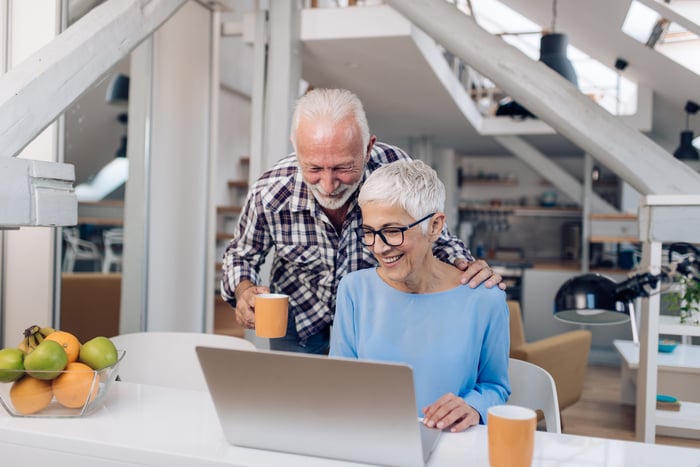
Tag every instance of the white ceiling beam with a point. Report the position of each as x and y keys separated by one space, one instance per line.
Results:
x=39 y=89
x=34 y=193
x=631 y=155
x=554 y=174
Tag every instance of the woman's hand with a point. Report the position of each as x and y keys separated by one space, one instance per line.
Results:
x=478 y=271
x=450 y=412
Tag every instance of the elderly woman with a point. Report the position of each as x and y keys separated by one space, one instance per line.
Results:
x=412 y=309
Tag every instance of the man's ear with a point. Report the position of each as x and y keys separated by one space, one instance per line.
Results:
x=370 y=145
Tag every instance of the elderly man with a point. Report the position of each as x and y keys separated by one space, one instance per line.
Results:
x=305 y=207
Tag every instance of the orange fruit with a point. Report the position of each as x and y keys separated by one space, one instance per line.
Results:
x=30 y=395
x=68 y=341
x=75 y=386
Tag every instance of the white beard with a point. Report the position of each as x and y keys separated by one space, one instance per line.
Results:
x=333 y=201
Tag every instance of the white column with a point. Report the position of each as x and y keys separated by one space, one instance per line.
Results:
x=257 y=101
x=28 y=253
x=446 y=162
x=168 y=210
x=647 y=376
x=283 y=77
x=4 y=26
x=586 y=213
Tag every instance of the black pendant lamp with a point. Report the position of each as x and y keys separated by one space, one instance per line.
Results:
x=553 y=51
x=553 y=54
x=686 y=150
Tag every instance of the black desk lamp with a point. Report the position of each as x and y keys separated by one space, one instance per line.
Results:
x=597 y=299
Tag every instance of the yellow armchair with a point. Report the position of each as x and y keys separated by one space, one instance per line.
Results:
x=564 y=356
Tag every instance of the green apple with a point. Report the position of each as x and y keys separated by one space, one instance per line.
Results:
x=98 y=353
x=11 y=364
x=46 y=361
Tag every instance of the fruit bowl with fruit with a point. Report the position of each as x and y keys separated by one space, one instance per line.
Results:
x=52 y=375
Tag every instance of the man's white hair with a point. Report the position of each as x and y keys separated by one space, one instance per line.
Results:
x=332 y=105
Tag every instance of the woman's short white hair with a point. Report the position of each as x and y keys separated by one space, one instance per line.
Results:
x=332 y=105
x=412 y=185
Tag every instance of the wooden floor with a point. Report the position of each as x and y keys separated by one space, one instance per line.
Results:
x=599 y=412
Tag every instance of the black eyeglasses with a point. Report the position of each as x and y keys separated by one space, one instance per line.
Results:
x=392 y=236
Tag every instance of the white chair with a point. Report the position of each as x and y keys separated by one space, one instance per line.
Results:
x=533 y=387
x=78 y=249
x=168 y=358
x=114 y=244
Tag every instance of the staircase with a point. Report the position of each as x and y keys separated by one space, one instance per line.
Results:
x=226 y=221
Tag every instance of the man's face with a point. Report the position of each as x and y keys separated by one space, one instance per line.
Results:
x=332 y=160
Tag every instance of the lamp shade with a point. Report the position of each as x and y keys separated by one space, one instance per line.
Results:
x=686 y=150
x=553 y=54
x=589 y=299
x=118 y=90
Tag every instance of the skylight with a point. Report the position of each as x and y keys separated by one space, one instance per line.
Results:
x=648 y=26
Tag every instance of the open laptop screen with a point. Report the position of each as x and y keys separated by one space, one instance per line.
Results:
x=328 y=407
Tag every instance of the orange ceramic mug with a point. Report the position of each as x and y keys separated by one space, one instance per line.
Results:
x=511 y=433
x=271 y=315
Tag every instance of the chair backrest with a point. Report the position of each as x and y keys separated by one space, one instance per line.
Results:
x=169 y=358
x=114 y=244
x=114 y=236
x=78 y=249
x=533 y=387
x=517 y=331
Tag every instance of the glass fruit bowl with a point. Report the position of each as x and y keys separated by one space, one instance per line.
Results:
x=72 y=393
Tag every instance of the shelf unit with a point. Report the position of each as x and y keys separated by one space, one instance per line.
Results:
x=662 y=219
x=688 y=418
x=535 y=211
x=489 y=181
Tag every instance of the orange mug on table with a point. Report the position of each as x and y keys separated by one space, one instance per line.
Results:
x=271 y=311
x=511 y=435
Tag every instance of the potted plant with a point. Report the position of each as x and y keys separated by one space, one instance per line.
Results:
x=687 y=301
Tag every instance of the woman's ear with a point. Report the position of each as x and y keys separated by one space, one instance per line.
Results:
x=437 y=222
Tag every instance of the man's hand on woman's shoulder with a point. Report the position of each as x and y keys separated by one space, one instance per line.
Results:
x=478 y=271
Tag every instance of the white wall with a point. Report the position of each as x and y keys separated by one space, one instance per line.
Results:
x=28 y=254
x=168 y=259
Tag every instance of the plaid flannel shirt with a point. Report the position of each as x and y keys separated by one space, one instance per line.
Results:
x=310 y=256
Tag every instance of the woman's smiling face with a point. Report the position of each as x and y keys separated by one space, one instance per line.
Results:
x=399 y=264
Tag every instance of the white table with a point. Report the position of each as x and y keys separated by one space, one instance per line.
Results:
x=149 y=425
x=679 y=371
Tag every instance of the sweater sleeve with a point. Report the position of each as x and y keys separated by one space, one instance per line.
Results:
x=492 y=384
x=343 y=336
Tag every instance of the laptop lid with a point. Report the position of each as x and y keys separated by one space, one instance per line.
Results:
x=327 y=407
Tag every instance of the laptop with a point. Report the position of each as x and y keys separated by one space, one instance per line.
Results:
x=335 y=408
